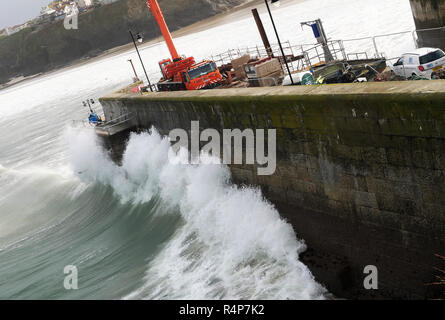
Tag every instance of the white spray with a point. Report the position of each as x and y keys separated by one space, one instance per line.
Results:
x=233 y=243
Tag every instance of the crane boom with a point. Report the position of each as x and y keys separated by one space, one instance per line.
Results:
x=154 y=7
x=183 y=73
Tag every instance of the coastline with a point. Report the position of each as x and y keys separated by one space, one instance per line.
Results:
x=238 y=12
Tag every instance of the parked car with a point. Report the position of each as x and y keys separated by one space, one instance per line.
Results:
x=423 y=62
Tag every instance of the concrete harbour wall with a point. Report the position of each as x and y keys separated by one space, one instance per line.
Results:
x=360 y=171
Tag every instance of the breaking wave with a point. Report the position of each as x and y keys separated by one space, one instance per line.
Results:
x=230 y=243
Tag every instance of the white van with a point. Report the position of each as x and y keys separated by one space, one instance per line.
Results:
x=422 y=62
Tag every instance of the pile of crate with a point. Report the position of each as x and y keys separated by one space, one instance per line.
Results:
x=267 y=73
x=238 y=66
x=259 y=72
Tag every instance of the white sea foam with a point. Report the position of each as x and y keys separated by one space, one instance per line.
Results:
x=233 y=243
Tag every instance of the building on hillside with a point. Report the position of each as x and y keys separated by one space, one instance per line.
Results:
x=71 y=9
x=47 y=11
x=11 y=30
x=59 y=16
x=47 y=15
x=59 y=5
x=83 y=4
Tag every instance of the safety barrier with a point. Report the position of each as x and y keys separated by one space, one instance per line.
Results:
x=310 y=55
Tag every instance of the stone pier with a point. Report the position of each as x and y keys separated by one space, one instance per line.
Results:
x=360 y=171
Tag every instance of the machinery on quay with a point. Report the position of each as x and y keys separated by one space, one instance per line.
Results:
x=182 y=73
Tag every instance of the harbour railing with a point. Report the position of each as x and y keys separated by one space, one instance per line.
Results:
x=305 y=56
x=110 y=127
x=413 y=35
x=116 y=125
x=258 y=51
x=299 y=57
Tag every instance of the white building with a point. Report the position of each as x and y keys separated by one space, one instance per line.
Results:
x=84 y=3
x=71 y=9
x=11 y=30
x=47 y=11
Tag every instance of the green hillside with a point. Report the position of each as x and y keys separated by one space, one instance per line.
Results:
x=35 y=50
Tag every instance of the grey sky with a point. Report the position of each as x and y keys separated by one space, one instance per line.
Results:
x=13 y=12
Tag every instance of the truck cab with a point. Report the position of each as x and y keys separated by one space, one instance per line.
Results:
x=204 y=75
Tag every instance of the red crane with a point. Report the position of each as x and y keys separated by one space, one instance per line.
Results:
x=182 y=73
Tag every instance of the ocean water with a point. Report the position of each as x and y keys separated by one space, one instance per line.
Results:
x=149 y=229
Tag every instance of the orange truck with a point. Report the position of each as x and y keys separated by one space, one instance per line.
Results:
x=179 y=73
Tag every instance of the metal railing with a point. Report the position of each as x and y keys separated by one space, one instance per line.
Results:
x=299 y=57
x=378 y=53
x=316 y=54
x=357 y=55
x=264 y=78
x=310 y=55
x=415 y=33
x=116 y=122
x=108 y=128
